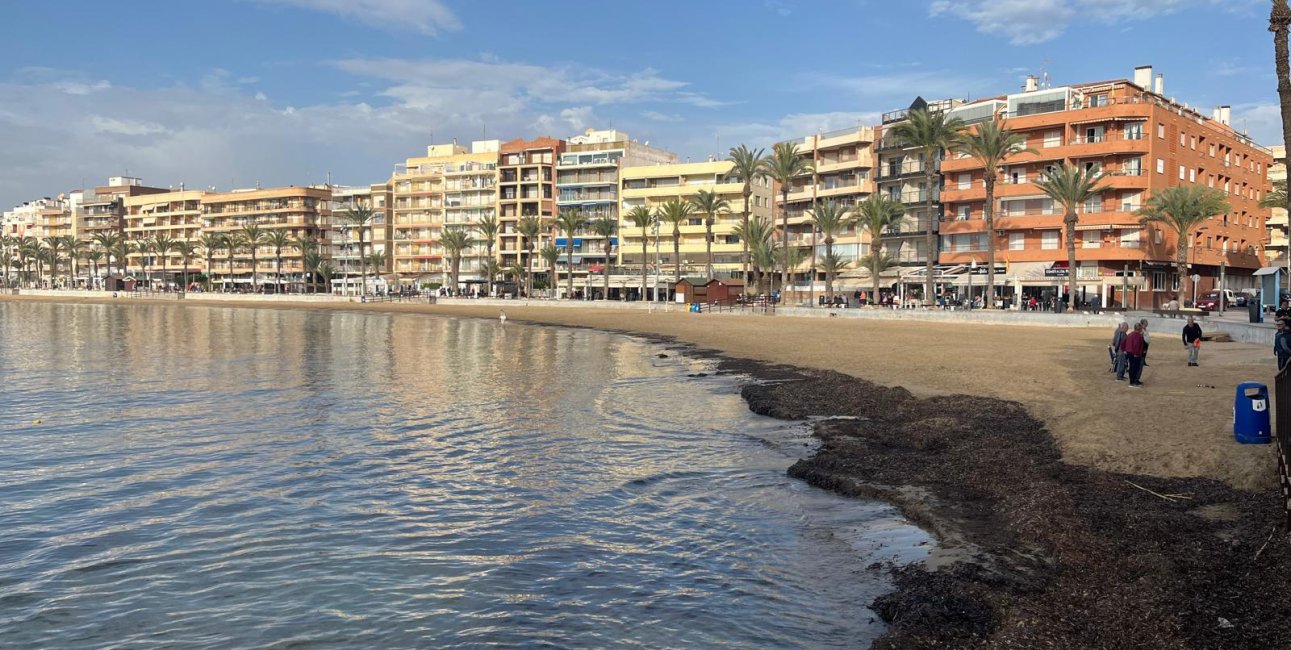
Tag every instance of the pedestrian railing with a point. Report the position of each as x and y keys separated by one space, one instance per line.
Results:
x=1282 y=438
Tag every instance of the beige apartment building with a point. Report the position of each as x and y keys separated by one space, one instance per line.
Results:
x=1276 y=248
x=103 y=211
x=653 y=185
x=842 y=171
x=587 y=180
x=303 y=213
x=451 y=184
x=176 y=216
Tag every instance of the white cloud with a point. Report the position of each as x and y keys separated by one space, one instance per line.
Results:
x=81 y=87
x=661 y=117
x=899 y=86
x=113 y=126
x=1029 y=22
x=1262 y=121
x=425 y=16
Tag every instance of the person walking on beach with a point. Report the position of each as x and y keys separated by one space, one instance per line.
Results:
x=1147 y=339
x=1135 y=348
x=1192 y=340
x=1118 y=354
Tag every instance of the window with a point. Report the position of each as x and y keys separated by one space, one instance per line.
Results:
x=1093 y=167
x=1134 y=167
x=1212 y=151
x=1134 y=131
x=1131 y=202
x=1091 y=239
x=965 y=181
x=1017 y=241
x=1130 y=237
x=1161 y=130
x=1182 y=172
x=1094 y=205
x=1158 y=280
x=1183 y=139
x=1017 y=175
x=1160 y=166
x=1193 y=143
x=1156 y=236
x=1052 y=139
x=1049 y=240
x=1094 y=134
x=1192 y=176
x=964 y=213
x=1098 y=100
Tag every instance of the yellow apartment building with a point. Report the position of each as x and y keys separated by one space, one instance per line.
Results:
x=345 y=252
x=652 y=185
x=304 y=213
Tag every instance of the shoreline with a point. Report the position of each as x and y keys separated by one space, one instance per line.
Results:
x=1035 y=550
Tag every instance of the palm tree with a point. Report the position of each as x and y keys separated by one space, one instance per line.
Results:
x=93 y=256
x=314 y=265
x=550 y=254
x=53 y=244
x=253 y=238
x=1183 y=208
x=146 y=248
x=491 y=269
x=163 y=244
x=877 y=262
x=641 y=217
x=785 y=164
x=326 y=271
x=991 y=144
x=528 y=228
x=764 y=258
x=830 y=219
x=489 y=229
x=75 y=249
x=758 y=233
x=1280 y=25
x=122 y=251
x=44 y=257
x=709 y=204
x=309 y=258
x=676 y=212
x=377 y=261
x=605 y=227
x=6 y=256
x=570 y=221
x=1071 y=186
x=359 y=217
x=454 y=241
x=278 y=239
x=874 y=215
x=232 y=242
x=932 y=132
x=832 y=264
x=29 y=249
x=108 y=241
x=186 y=250
x=210 y=241
x=748 y=165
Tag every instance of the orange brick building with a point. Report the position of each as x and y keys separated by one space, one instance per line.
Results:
x=1144 y=142
x=526 y=187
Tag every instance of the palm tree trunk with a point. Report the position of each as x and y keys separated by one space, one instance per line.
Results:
x=988 y=212
x=811 y=287
x=528 y=274
x=876 y=247
x=829 y=276
x=930 y=240
x=645 y=255
x=363 y=265
x=1279 y=24
x=708 y=243
x=1181 y=260
x=606 y=269
x=784 y=239
x=1070 y=221
x=676 y=256
x=277 y=270
x=744 y=242
x=569 y=267
x=253 y=246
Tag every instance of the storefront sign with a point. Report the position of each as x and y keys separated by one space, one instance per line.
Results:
x=1055 y=273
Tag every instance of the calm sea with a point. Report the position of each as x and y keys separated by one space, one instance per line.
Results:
x=220 y=478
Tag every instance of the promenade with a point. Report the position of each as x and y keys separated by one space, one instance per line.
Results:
x=1056 y=365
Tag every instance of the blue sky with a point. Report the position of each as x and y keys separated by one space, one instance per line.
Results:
x=231 y=92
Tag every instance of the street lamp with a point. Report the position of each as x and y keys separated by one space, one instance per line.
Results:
x=657 y=265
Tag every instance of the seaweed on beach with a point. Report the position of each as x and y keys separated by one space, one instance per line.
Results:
x=1054 y=555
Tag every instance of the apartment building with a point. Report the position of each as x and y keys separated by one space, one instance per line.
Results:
x=527 y=188
x=175 y=215
x=1277 y=221
x=842 y=171
x=1144 y=142
x=451 y=185
x=587 y=179
x=652 y=185
x=350 y=261
x=902 y=177
x=304 y=213
x=103 y=211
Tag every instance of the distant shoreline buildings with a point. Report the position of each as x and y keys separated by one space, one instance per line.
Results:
x=1128 y=129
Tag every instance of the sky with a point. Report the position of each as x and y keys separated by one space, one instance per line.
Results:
x=230 y=93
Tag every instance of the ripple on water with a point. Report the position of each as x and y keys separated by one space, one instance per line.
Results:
x=285 y=479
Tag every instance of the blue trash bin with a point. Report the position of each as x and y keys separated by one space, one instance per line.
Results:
x=1251 y=414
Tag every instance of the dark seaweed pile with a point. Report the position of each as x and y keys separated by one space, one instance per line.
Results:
x=1064 y=556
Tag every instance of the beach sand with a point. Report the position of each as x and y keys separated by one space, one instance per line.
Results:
x=1176 y=426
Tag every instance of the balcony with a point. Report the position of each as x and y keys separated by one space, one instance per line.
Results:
x=910 y=168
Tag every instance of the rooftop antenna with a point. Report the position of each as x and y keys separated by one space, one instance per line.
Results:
x=1044 y=75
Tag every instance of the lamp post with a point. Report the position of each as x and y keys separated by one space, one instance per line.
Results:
x=655 y=227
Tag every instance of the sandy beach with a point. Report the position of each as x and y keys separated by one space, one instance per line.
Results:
x=1179 y=425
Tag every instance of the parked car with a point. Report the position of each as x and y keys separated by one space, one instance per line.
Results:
x=1210 y=301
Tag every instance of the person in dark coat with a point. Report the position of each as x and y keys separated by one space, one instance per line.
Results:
x=1192 y=340
x=1134 y=350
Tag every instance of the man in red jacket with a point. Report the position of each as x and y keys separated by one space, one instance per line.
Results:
x=1134 y=349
